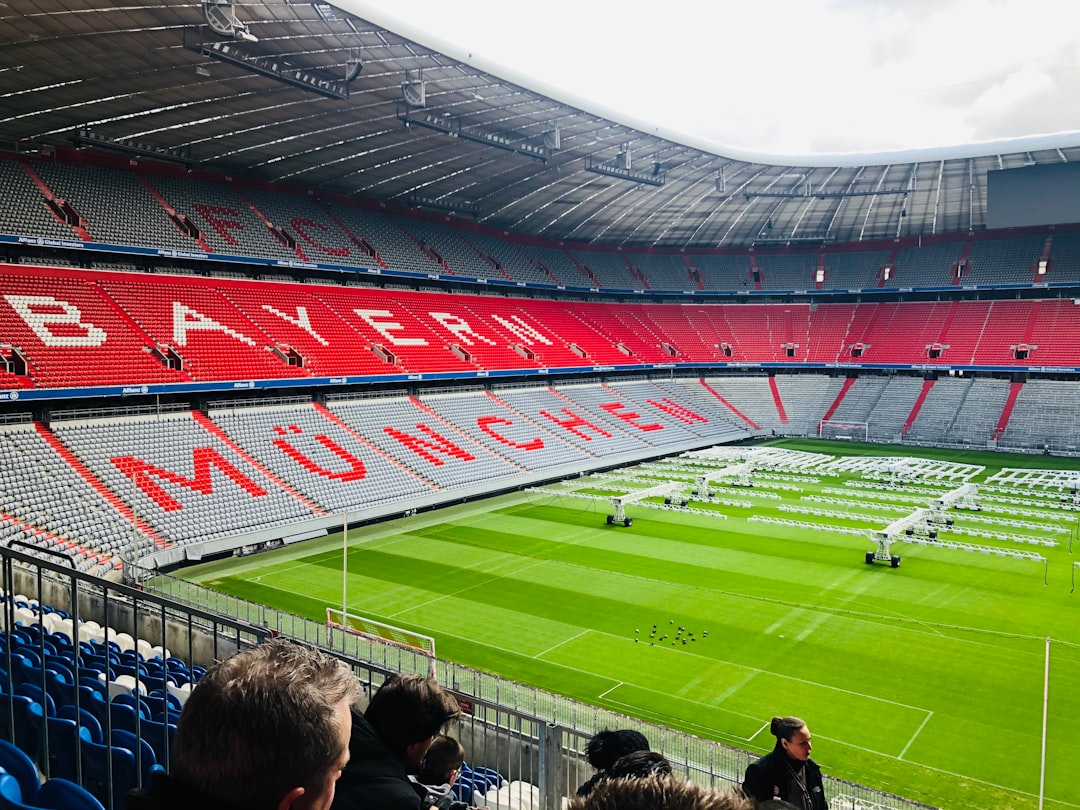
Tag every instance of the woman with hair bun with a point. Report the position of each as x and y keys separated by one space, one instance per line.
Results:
x=787 y=772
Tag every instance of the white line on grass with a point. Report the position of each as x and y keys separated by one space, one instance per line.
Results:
x=963 y=776
x=712 y=731
x=609 y=691
x=763 y=727
x=564 y=641
x=926 y=720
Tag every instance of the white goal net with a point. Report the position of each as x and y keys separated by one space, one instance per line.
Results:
x=375 y=633
x=844 y=430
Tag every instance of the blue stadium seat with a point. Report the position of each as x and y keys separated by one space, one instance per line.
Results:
x=61 y=757
x=61 y=794
x=10 y=795
x=97 y=776
x=19 y=765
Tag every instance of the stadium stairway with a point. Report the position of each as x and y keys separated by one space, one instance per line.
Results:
x=926 y=386
x=753 y=425
x=1006 y=412
x=779 y=402
x=850 y=381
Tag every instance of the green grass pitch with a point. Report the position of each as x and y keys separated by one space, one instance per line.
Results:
x=924 y=680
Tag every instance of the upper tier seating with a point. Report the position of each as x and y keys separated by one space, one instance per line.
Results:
x=510 y=257
x=129 y=208
x=559 y=264
x=608 y=268
x=118 y=207
x=1003 y=261
x=925 y=266
x=227 y=221
x=399 y=250
x=663 y=271
x=319 y=236
x=1064 y=258
x=723 y=272
x=853 y=270
x=24 y=211
x=787 y=272
x=462 y=258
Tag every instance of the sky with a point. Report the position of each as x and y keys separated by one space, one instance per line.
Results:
x=789 y=77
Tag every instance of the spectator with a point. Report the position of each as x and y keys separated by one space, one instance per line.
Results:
x=640 y=763
x=787 y=772
x=607 y=746
x=266 y=729
x=659 y=792
x=438 y=773
x=389 y=741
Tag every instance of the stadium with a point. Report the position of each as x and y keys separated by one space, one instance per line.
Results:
x=312 y=329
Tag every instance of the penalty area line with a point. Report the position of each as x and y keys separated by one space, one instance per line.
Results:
x=922 y=725
x=609 y=691
x=751 y=737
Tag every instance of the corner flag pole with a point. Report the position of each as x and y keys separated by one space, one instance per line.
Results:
x=1046 y=700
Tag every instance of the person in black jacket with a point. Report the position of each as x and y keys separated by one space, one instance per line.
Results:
x=787 y=772
x=604 y=747
x=266 y=729
x=389 y=741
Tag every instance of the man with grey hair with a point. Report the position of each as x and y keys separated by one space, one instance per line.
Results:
x=266 y=729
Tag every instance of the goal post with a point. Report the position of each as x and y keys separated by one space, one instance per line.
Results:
x=849 y=430
x=380 y=633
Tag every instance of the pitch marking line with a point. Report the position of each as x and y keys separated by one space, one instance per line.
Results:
x=720 y=733
x=763 y=727
x=926 y=720
x=609 y=691
x=564 y=641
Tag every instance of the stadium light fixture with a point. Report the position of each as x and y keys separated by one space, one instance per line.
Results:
x=279 y=70
x=622 y=168
x=84 y=136
x=448 y=205
x=449 y=125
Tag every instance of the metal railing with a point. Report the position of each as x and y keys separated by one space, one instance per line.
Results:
x=517 y=721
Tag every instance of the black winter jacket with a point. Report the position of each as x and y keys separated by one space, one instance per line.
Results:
x=771 y=778
x=374 y=779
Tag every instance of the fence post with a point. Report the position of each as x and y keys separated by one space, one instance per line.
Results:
x=550 y=759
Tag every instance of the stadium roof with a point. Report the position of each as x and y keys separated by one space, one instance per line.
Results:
x=311 y=95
